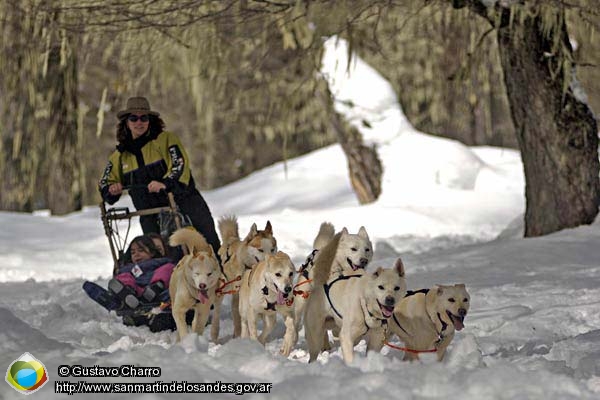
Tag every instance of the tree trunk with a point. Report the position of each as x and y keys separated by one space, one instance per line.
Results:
x=20 y=138
x=64 y=185
x=557 y=132
x=364 y=166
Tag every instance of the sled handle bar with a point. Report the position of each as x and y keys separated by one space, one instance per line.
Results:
x=124 y=213
x=118 y=213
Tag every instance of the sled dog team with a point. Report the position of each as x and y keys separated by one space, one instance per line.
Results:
x=332 y=290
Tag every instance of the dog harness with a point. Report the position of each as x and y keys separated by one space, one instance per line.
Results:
x=383 y=321
x=398 y=323
x=444 y=325
x=308 y=264
x=303 y=271
x=226 y=282
x=271 y=306
x=440 y=333
x=225 y=262
x=413 y=292
x=408 y=293
x=189 y=286
x=327 y=286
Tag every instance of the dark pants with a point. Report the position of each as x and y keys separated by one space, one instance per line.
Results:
x=194 y=206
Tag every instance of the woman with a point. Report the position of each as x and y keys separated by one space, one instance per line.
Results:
x=150 y=161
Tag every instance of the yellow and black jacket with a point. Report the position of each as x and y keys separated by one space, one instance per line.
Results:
x=154 y=156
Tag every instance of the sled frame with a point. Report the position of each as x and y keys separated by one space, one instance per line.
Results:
x=111 y=217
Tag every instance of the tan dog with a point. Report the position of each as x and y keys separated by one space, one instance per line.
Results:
x=237 y=256
x=353 y=254
x=267 y=290
x=194 y=280
x=304 y=285
x=427 y=319
x=358 y=303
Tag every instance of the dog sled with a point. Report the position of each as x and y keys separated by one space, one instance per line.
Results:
x=155 y=314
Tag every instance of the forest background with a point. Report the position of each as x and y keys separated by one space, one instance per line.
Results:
x=239 y=82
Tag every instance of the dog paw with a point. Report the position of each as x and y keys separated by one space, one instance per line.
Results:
x=285 y=351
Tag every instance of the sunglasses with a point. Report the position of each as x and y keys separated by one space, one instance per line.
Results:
x=134 y=118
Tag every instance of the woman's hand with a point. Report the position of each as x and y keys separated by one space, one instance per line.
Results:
x=156 y=186
x=115 y=189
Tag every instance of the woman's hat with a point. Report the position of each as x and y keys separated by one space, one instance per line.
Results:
x=137 y=105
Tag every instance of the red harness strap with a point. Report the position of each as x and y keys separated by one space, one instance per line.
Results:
x=220 y=291
x=409 y=350
x=302 y=293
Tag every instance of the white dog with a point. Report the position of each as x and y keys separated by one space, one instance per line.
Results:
x=194 y=280
x=353 y=254
x=236 y=257
x=265 y=291
x=426 y=319
x=358 y=303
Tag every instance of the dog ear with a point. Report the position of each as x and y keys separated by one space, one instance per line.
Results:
x=440 y=290
x=378 y=272
x=269 y=228
x=253 y=232
x=344 y=231
x=399 y=266
x=267 y=260
x=211 y=252
x=362 y=232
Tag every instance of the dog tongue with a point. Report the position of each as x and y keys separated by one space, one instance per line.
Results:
x=458 y=323
x=386 y=312
x=280 y=298
x=202 y=296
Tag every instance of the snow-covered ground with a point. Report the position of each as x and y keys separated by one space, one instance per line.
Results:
x=453 y=213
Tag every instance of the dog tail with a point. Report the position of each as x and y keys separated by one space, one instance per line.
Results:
x=228 y=227
x=324 y=261
x=191 y=238
x=326 y=233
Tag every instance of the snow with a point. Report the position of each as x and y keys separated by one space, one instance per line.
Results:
x=454 y=213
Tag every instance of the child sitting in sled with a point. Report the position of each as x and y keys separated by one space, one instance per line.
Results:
x=145 y=274
x=141 y=285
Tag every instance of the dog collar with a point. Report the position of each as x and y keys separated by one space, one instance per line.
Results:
x=444 y=326
x=382 y=320
x=270 y=305
x=440 y=333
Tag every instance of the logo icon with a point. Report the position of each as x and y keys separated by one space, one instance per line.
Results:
x=26 y=374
